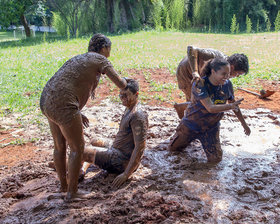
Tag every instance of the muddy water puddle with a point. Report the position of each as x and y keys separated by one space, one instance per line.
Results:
x=167 y=187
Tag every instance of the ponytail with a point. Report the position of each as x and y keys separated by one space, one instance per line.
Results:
x=215 y=63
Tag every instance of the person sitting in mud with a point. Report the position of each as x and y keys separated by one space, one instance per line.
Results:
x=124 y=156
x=62 y=99
x=203 y=115
x=189 y=70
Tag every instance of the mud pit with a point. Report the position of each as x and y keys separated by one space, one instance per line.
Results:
x=167 y=188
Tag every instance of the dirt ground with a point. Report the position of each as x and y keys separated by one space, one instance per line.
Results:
x=167 y=187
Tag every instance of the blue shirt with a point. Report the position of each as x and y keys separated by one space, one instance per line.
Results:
x=197 y=118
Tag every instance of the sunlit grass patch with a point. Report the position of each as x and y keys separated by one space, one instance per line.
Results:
x=26 y=65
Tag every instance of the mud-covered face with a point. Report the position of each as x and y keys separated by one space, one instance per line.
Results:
x=105 y=51
x=127 y=97
x=234 y=73
x=221 y=76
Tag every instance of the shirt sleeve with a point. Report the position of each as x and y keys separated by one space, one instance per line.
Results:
x=199 y=92
x=139 y=126
x=104 y=63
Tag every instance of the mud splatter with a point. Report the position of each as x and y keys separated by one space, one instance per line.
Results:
x=167 y=187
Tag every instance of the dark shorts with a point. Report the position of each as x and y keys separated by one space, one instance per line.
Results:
x=112 y=160
x=209 y=139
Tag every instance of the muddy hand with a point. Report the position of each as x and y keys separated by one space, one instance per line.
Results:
x=196 y=78
x=247 y=130
x=235 y=104
x=119 y=180
x=85 y=121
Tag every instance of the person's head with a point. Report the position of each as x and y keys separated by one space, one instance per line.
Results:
x=239 y=65
x=101 y=44
x=129 y=95
x=218 y=70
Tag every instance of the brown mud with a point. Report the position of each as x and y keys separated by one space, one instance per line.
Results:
x=167 y=187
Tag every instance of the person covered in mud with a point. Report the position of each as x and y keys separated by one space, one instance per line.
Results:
x=189 y=70
x=210 y=98
x=124 y=156
x=62 y=99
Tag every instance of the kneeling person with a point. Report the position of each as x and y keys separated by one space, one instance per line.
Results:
x=124 y=156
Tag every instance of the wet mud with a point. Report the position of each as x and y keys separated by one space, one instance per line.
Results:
x=167 y=188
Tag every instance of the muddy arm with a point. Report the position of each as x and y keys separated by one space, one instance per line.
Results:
x=216 y=108
x=139 y=136
x=203 y=54
x=193 y=57
x=112 y=74
x=240 y=117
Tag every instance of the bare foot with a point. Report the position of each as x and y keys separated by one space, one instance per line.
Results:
x=76 y=197
x=51 y=165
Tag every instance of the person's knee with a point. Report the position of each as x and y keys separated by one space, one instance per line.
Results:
x=215 y=158
x=77 y=147
x=89 y=156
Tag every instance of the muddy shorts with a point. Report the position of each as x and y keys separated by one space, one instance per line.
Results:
x=60 y=109
x=209 y=139
x=112 y=160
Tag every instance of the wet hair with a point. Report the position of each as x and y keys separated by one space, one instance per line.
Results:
x=240 y=62
x=132 y=85
x=97 y=42
x=215 y=63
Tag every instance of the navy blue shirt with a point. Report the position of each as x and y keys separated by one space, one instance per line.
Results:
x=197 y=118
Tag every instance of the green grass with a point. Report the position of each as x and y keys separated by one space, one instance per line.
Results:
x=26 y=65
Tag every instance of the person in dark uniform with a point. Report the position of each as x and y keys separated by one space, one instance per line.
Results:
x=189 y=69
x=210 y=98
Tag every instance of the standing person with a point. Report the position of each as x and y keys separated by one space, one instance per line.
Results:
x=125 y=154
x=62 y=99
x=203 y=115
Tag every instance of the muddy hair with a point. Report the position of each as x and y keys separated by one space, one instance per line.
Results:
x=97 y=42
x=132 y=85
x=215 y=63
x=240 y=62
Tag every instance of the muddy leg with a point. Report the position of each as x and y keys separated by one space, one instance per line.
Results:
x=180 y=109
x=181 y=139
x=59 y=154
x=212 y=146
x=74 y=137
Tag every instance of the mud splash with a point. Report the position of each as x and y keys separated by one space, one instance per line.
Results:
x=167 y=187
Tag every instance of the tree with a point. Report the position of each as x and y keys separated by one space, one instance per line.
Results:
x=14 y=12
x=268 y=25
x=277 y=22
x=248 y=24
x=68 y=11
x=233 y=24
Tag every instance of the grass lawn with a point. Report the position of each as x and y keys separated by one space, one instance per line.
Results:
x=26 y=65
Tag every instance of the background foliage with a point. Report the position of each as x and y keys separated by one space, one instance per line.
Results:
x=116 y=16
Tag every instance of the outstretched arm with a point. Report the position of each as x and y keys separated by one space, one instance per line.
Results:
x=112 y=74
x=240 y=117
x=139 y=136
x=216 y=108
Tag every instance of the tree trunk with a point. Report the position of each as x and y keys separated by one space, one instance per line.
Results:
x=25 y=25
x=109 y=6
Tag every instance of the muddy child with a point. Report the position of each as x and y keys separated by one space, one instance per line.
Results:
x=210 y=98
x=189 y=69
x=124 y=156
x=62 y=99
